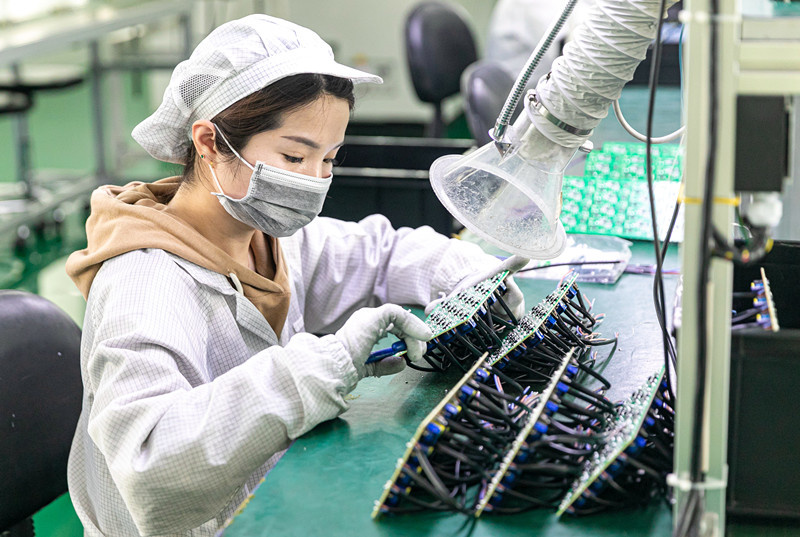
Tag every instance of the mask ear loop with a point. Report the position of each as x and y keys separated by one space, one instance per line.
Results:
x=224 y=139
x=210 y=167
x=216 y=182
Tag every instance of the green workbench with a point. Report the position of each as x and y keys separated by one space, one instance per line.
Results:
x=329 y=479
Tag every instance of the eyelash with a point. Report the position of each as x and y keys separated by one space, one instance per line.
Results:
x=299 y=160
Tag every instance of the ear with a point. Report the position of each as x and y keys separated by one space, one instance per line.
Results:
x=204 y=136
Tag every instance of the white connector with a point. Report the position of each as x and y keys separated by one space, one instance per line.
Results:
x=762 y=209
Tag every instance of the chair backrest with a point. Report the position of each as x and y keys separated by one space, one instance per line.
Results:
x=40 y=401
x=439 y=46
x=485 y=86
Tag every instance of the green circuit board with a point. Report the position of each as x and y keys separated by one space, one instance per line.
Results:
x=459 y=308
x=620 y=432
x=534 y=319
x=611 y=198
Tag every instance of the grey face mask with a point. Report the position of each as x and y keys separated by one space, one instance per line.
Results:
x=278 y=202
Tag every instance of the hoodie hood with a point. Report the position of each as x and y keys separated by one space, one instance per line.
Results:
x=133 y=217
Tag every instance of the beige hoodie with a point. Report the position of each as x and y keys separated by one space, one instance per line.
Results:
x=132 y=217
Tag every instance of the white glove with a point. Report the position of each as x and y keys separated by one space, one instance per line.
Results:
x=368 y=325
x=513 y=298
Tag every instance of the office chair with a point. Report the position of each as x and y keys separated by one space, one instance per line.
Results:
x=485 y=85
x=439 y=46
x=40 y=401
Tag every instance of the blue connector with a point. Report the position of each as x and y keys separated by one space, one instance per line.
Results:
x=481 y=375
x=451 y=410
x=572 y=291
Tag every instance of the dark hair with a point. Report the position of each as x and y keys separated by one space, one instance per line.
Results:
x=264 y=110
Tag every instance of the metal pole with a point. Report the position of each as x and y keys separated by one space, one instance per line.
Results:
x=97 y=113
x=186 y=24
x=718 y=289
x=23 y=143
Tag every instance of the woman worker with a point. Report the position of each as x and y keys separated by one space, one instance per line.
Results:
x=203 y=291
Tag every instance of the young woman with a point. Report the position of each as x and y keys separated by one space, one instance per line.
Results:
x=203 y=291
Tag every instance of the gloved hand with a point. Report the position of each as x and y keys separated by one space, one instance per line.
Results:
x=368 y=325
x=513 y=297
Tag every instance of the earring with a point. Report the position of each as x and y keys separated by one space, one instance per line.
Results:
x=202 y=156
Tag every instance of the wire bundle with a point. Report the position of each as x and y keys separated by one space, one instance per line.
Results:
x=560 y=433
x=632 y=468
x=475 y=333
x=569 y=324
x=452 y=460
x=754 y=308
x=458 y=446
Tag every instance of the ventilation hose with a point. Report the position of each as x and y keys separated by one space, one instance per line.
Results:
x=607 y=47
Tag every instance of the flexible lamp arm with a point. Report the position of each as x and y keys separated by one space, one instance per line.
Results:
x=524 y=76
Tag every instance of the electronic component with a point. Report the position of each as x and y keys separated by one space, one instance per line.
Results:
x=399 y=487
x=632 y=466
x=464 y=327
x=517 y=459
x=755 y=308
x=611 y=197
x=450 y=462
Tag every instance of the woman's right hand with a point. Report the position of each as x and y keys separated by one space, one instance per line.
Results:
x=368 y=325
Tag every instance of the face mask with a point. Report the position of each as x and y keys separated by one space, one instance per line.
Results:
x=278 y=202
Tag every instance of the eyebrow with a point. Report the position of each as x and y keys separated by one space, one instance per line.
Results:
x=310 y=143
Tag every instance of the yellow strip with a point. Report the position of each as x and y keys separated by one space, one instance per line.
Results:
x=697 y=201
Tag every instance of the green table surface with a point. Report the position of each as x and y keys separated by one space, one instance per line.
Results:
x=329 y=479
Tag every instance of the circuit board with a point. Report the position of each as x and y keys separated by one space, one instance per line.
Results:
x=390 y=490
x=773 y=313
x=531 y=420
x=621 y=432
x=611 y=198
x=533 y=320
x=459 y=308
x=466 y=306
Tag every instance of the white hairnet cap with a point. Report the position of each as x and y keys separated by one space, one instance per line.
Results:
x=236 y=59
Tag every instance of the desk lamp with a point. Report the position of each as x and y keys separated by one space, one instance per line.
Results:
x=508 y=192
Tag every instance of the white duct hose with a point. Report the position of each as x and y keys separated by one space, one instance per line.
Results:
x=596 y=64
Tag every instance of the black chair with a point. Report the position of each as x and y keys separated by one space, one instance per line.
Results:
x=40 y=401
x=439 y=46
x=485 y=87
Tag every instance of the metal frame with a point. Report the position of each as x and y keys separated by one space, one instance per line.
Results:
x=84 y=26
x=756 y=56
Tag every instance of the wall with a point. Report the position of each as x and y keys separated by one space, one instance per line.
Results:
x=363 y=33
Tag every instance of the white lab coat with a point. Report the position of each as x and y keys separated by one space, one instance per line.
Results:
x=190 y=398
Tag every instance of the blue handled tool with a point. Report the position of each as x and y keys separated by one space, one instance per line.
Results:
x=377 y=356
x=396 y=348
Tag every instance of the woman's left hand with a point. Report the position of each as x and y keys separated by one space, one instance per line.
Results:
x=513 y=297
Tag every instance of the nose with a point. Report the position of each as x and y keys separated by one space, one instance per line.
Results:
x=317 y=169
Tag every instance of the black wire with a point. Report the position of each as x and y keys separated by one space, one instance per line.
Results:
x=658 y=279
x=573 y=263
x=692 y=513
x=696 y=473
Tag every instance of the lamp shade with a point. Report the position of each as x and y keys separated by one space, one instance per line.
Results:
x=511 y=197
